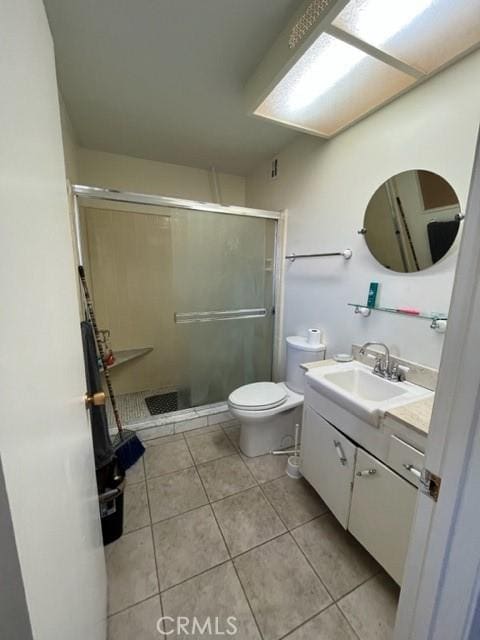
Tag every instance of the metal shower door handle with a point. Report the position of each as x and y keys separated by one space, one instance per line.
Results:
x=213 y=316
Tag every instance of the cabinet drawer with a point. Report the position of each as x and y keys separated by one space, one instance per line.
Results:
x=405 y=460
x=328 y=463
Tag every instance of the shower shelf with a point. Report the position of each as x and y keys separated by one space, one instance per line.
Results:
x=425 y=315
x=125 y=355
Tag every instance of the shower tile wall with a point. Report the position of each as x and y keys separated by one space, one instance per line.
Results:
x=124 y=253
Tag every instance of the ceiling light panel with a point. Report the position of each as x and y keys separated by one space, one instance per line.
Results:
x=425 y=34
x=330 y=86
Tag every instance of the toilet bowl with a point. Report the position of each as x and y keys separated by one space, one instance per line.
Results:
x=269 y=411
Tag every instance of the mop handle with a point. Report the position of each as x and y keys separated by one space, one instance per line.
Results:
x=91 y=313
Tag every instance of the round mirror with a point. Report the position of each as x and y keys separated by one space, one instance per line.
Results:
x=411 y=221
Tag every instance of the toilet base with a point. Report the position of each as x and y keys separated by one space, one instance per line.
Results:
x=262 y=435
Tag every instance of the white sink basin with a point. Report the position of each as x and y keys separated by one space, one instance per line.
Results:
x=353 y=386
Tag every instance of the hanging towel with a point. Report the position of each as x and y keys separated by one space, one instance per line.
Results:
x=102 y=445
x=441 y=236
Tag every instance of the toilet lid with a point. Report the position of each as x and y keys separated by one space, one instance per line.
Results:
x=259 y=395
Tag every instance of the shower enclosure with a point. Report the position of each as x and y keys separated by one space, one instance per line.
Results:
x=185 y=292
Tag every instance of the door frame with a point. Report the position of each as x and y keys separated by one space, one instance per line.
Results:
x=441 y=586
x=102 y=194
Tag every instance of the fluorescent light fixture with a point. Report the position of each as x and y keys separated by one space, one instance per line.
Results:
x=326 y=62
x=376 y=21
x=332 y=84
x=425 y=34
x=362 y=55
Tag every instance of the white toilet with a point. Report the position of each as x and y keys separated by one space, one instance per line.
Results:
x=269 y=411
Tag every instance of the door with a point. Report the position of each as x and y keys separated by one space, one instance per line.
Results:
x=442 y=579
x=381 y=513
x=328 y=463
x=45 y=440
x=223 y=277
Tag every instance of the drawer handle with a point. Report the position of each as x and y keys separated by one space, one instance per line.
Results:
x=416 y=472
x=339 y=450
x=366 y=472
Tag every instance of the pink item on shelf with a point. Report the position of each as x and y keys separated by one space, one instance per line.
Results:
x=409 y=310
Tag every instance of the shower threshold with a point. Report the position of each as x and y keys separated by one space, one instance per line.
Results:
x=135 y=415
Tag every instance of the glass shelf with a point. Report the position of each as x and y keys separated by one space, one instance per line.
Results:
x=425 y=315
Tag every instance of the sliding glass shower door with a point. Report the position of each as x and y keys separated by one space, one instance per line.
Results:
x=186 y=298
x=223 y=282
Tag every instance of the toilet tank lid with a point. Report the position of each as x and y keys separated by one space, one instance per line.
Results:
x=300 y=343
x=259 y=395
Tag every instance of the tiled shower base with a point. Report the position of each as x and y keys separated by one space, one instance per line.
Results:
x=134 y=414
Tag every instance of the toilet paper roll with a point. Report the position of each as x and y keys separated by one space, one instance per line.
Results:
x=314 y=336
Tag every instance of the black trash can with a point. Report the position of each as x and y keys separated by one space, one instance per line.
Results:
x=111 y=485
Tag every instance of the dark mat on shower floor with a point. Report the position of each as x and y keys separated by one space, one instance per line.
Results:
x=162 y=403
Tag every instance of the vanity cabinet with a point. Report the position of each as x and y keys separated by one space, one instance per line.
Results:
x=328 y=463
x=368 y=498
x=381 y=513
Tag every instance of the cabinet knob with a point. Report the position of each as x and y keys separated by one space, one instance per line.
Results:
x=366 y=472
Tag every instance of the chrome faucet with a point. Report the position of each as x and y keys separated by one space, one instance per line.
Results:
x=383 y=365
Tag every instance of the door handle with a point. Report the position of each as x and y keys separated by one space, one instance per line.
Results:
x=339 y=450
x=416 y=472
x=95 y=399
x=366 y=472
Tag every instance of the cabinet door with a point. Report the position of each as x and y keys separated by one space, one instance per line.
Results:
x=381 y=513
x=328 y=463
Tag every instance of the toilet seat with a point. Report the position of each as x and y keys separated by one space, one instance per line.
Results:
x=258 y=396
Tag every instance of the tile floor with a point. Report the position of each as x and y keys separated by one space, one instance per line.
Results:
x=209 y=532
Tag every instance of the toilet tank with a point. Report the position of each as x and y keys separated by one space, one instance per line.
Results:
x=299 y=351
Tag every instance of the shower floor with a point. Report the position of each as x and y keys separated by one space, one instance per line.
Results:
x=131 y=406
x=134 y=412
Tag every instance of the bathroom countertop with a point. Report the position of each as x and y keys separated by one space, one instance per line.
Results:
x=416 y=415
x=317 y=363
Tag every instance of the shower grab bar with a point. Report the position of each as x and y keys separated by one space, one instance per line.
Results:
x=214 y=316
x=346 y=253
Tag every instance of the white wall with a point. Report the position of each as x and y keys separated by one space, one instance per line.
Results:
x=326 y=188
x=100 y=169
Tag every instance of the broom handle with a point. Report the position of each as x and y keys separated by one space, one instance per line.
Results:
x=91 y=313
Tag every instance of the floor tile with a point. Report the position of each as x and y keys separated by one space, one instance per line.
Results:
x=233 y=434
x=215 y=594
x=136 y=473
x=217 y=418
x=165 y=458
x=328 y=625
x=174 y=493
x=295 y=501
x=247 y=520
x=281 y=587
x=195 y=423
x=340 y=561
x=210 y=446
x=372 y=607
x=153 y=429
x=135 y=507
x=200 y=432
x=187 y=545
x=267 y=467
x=137 y=623
x=174 y=437
x=131 y=570
x=225 y=476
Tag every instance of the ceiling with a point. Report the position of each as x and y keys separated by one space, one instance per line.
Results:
x=164 y=79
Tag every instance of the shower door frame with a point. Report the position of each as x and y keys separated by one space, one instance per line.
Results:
x=80 y=191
